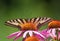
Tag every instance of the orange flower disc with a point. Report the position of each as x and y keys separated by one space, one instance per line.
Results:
x=54 y=24
x=28 y=26
x=32 y=38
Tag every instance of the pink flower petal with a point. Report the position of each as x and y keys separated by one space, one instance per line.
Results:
x=50 y=32
x=45 y=33
x=18 y=35
x=59 y=29
x=58 y=35
x=30 y=33
x=35 y=32
x=54 y=33
x=26 y=32
x=12 y=35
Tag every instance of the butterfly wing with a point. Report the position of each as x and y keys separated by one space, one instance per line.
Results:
x=38 y=21
x=41 y=20
x=15 y=22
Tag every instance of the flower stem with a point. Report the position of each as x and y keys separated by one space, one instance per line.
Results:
x=57 y=34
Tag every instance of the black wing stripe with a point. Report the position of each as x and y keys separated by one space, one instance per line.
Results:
x=32 y=20
x=41 y=19
x=24 y=20
x=8 y=21
x=19 y=21
x=28 y=20
x=48 y=18
x=12 y=23
x=15 y=21
x=44 y=20
x=36 y=20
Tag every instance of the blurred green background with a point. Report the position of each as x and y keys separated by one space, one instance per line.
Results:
x=12 y=9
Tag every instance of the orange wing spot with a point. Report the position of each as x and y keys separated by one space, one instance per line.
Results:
x=32 y=38
x=28 y=26
x=54 y=24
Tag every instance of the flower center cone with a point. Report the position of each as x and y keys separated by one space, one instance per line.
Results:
x=32 y=38
x=54 y=24
x=28 y=26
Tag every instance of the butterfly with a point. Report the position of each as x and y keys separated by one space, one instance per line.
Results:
x=39 y=21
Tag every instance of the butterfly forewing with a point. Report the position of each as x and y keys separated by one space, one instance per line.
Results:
x=44 y=20
x=41 y=20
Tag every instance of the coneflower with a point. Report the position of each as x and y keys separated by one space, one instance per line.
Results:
x=27 y=27
x=54 y=29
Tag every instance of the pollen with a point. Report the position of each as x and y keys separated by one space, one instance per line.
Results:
x=54 y=24
x=32 y=38
x=28 y=26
